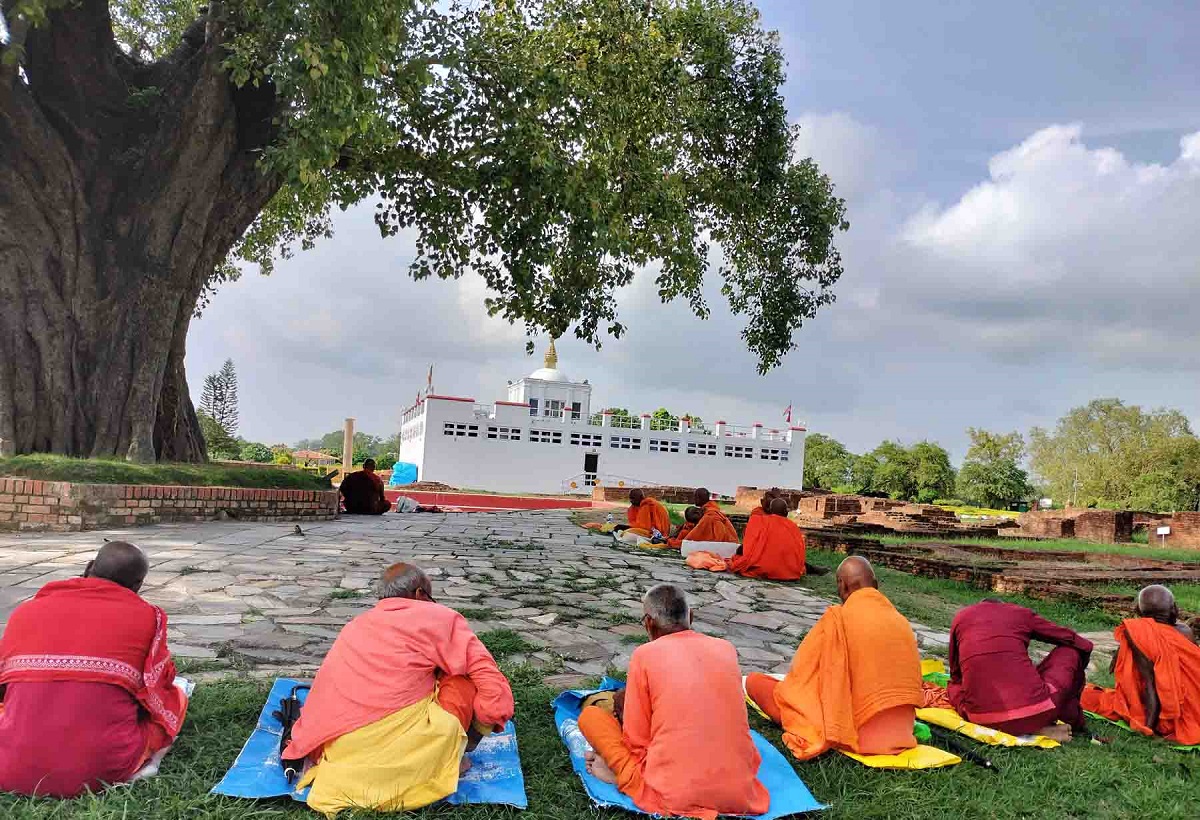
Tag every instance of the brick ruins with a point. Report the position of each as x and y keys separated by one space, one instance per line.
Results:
x=1052 y=574
x=861 y=515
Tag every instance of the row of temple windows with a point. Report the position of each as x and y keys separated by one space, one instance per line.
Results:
x=654 y=445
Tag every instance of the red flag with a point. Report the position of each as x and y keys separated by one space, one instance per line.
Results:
x=787 y=414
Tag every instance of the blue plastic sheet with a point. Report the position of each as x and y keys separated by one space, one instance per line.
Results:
x=495 y=775
x=788 y=793
x=402 y=473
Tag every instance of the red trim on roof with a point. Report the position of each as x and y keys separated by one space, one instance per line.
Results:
x=646 y=416
x=450 y=398
x=514 y=403
x=720 y=422
x=758 y=424
x=800 y=429
x=606 y=413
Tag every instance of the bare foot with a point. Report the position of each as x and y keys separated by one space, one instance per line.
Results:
x=1059 y=731
x=598 y=769
x=464 y=765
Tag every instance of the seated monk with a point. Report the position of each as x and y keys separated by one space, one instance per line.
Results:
x=362 y=491
x=994 y=683
x=691 y=517
x=405 y=692
x=646 y=516
x=764 y=505
x=87 y=683
x=1157 y=673
x=855 y=682
x=684 y=747
x=773 y=546
x=713 y=530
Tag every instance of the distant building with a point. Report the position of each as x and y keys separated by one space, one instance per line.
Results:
x=312 y=458
x=542 y=439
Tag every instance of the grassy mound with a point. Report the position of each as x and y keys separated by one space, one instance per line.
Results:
x=106 y=471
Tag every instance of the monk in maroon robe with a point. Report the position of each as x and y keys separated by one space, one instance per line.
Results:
x=362 y=491
x=994 y=683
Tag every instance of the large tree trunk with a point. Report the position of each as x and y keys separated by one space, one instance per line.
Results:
x=115 y=206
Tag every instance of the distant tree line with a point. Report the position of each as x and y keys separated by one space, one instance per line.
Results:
x=1106 y=454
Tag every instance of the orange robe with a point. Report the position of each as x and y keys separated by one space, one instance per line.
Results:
x=773 y=547
x=685 y=746
x=684 y=532
x=855 y=682
x=649 y=516
x=714 y=526
x=1176 y=679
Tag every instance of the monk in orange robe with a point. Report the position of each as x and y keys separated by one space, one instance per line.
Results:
x=1157 y=673
x=855 y=682
x=764 y=506
x=646 y=515
x=773 y=546
x=714 y=525
x=682 y=744
x=691 y=517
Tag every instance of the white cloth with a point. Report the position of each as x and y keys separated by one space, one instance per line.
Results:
x=723 y=549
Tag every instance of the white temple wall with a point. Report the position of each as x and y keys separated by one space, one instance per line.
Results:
x=500 y=448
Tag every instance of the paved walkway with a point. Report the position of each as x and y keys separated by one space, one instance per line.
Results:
x=257 y=596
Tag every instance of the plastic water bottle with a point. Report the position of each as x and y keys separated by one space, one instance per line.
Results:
x=609 y=518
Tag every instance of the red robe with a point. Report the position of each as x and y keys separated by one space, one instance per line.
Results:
x=89 y=688
x=773 y=547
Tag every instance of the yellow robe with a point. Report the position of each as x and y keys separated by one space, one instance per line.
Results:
x=404 y=761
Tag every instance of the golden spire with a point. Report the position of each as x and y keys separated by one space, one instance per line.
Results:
x=551 y=357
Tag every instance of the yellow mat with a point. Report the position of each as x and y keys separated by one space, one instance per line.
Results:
x=922 y=757
x=949 y=719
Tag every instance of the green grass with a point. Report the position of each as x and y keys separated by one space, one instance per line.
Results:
x=934 y=601
x=476 y=613
x=968 y=510
x=504 y=643
x=111 y=471
x=1131 y=777
x=1067 y=544
x=346 y=594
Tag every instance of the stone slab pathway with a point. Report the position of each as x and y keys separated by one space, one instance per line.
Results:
x=258 y=597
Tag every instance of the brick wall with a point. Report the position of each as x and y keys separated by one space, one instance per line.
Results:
x=670 y=495
x=1185 y=531
x=749 y=497
x=1098 y=526
x=26 y=504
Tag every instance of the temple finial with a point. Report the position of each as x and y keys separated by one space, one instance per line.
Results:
x=551 y=360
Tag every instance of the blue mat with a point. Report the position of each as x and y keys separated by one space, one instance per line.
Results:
x=495 y=775
x=789 y=795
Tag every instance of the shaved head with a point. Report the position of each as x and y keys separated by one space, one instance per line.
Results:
x=405 y=581
x=768 y=496
x=636 y=497
x=779 y=506
x=1157 y=602
x=853 y=574
x=701 y=497
x=692 y=515
x=119 y=562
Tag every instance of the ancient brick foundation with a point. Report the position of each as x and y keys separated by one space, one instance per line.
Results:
x=1098 y=526
x=863 y=515
x=62 y=506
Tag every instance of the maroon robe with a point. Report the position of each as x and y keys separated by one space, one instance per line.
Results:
x=994 y=683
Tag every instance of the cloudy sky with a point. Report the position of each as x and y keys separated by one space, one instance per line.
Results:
x=1023 y=185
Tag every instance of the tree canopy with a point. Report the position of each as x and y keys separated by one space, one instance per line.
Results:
x=991 y=475
x=1111 y=454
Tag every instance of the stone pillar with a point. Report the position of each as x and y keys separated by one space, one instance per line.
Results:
x=606 y=419
x=8 y=448
x=645 y=421
x=685 y=426
x=756 y=432
x=719 y=429
x=348 y=446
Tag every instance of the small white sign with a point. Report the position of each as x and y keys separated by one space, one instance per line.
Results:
x=1164 y=531
x=1046 y=503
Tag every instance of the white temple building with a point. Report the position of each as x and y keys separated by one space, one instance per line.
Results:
x=545 y=439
